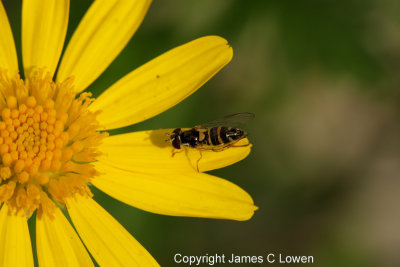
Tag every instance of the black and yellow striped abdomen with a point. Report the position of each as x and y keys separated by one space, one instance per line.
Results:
x=217 y=136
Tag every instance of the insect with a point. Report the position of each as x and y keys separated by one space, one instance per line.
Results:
x=216 y=135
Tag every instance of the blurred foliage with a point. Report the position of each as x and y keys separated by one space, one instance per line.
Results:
x=322 y=79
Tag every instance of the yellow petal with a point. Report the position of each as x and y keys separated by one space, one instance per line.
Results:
x=148 y=151
x=103 y=32
x=58 y=244
x=8 y=54
x=15 y=242
x=162 y=82
x=182 y=194
x=108 y=242
x=44 y=25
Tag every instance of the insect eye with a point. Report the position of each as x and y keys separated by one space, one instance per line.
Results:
x=176 y=142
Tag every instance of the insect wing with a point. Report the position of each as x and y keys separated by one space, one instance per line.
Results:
x=233 y=120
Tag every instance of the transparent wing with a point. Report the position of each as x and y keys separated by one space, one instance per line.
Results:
x=233 y=120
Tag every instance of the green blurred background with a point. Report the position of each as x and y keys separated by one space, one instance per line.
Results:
x=323 y=79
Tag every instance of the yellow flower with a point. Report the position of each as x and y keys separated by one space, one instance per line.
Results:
x=53 y=143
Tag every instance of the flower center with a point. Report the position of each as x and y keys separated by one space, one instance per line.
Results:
x=48 y=139
x=31 y=138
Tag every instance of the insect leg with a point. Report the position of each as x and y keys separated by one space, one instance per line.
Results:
x=233 y=144
x=201 y=156
x=227 y=146
x=176 y=152
x=241 y=145
x=220 y=149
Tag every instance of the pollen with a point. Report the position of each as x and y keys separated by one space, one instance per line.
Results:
x=48 y=142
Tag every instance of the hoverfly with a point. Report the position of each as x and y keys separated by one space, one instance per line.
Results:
x=216 y=135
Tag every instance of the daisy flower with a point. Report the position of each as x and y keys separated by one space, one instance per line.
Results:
x=54 y=143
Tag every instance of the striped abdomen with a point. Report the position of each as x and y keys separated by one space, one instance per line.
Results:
x=223 y=135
